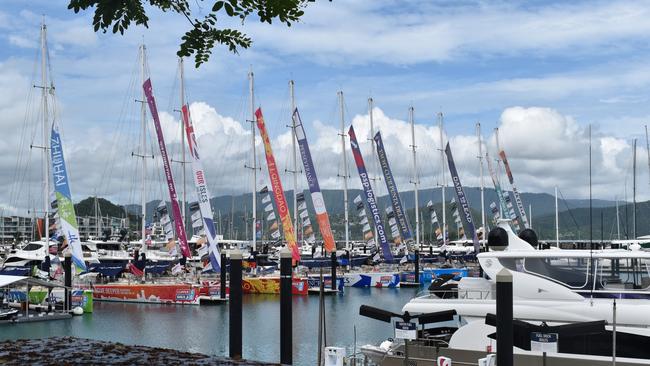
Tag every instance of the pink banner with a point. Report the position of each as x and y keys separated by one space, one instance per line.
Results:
x=176 y=210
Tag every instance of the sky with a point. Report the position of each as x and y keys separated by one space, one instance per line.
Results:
x=541 y=72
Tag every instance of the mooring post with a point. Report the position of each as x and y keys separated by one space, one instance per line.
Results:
x=67 y=269
x=222 y=284
x=417 y=266
x=286 y=337
x=504 y=318
x=334 y=264
x=235 y=305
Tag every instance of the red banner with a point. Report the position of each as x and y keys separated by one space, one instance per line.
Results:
x=278 y=192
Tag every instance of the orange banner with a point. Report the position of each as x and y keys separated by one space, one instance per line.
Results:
x=278 y=192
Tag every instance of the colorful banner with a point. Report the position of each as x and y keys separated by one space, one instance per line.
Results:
x=276 y=185
x=64 y=199
x=462 y=199
x=307 y=229
x=515 y=192
x=395 y=200
x=312 y=180
x=176 y=210
x=369 y=196
x=368 y=236
x=202 y=193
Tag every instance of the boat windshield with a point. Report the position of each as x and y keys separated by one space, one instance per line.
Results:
x=612 y=274
x=33 y=246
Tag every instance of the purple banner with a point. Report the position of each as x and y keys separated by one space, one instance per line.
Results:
x=462 y=199
x=176 y=210
x=369 y=195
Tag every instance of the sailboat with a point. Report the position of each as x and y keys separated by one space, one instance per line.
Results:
x=21 y=261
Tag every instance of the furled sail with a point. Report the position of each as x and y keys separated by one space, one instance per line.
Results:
x=203 y=196
x=176 y=210
x=67 y=216
x=276 y=185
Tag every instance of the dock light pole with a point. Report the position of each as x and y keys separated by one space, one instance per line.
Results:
x=504 y=318
x=222 y=284
x=334 y=264
x=235 y=305
x=286 y=337
x=67 y=269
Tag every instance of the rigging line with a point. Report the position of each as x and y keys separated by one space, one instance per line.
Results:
x=569 y=210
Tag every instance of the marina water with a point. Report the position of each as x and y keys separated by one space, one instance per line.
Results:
x=204 y=329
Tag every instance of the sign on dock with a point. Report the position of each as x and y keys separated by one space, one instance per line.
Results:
x=406 y=330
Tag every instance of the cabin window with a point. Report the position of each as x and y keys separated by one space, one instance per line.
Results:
x=32 y=246
x=571 y=272
x=623 y=274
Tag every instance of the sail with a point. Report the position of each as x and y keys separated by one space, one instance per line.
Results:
x=67 y=216
x=276 y=185
x=515 y=192
x=312 y=180
x=462 y=199
x=176 y=210
x=369 y=195
x=202 y=193
x=391 y=186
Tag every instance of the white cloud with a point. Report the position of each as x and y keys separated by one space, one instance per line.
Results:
x=408 y=33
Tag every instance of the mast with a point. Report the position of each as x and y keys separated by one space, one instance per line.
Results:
x=482 y=183
x=647 y=146
x=182 y=71
x=251 y=85
x=415 y=179
x=557 y=222
x=143 y=116
x=444 y=179
x=373 y=155
x=345 y=173
x=618 y=222
x=634 y=190
x=46 y=174
x=498 y=173
x=293 y=155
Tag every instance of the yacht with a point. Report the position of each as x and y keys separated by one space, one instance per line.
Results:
x=550 y=288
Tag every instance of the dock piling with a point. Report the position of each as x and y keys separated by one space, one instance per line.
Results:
x=222 y=284
x=67 y=269
x=504 y=318
x=334 y=263
x=235 y=306
x=286 y=337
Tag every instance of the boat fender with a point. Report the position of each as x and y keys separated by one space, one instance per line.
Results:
x=530 y=237
x=77 y=310
x=497 y=239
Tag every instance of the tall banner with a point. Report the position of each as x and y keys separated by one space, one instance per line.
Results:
x=176 y=210
x=369 y=196
x=312 y=180
x=67 y=216
x=462 y=199
x=515 y=192
x=202 y=193
x=393 y=193
x=276 y=185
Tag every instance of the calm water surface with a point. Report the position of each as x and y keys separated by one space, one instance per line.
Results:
x=205 y=329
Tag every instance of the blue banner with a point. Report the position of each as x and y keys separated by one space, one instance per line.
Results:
x=395 y=201
x=369 y=196
x=466 y=216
